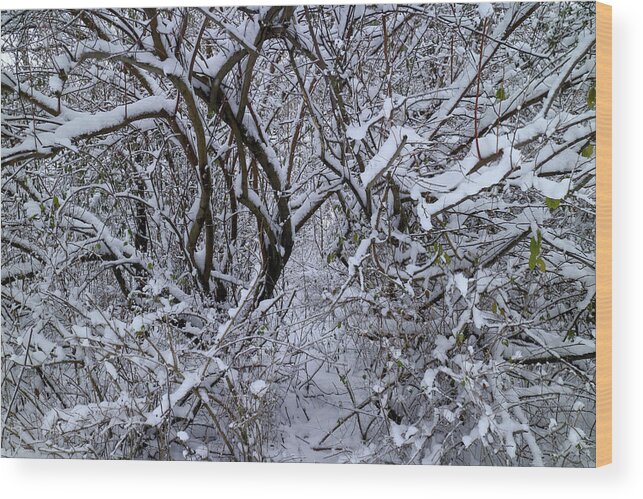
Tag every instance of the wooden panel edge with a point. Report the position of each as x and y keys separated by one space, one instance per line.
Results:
x=603 y=234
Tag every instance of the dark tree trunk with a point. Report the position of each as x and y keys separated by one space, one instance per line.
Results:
x=274 y=263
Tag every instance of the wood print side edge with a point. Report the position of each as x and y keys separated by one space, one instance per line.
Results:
x=603 y=234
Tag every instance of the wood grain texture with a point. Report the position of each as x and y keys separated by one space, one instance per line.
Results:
x=603 y=234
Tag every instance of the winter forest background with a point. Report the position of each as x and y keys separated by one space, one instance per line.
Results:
x=317 y=233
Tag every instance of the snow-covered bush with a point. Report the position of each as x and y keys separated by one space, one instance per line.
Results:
x=321 y=233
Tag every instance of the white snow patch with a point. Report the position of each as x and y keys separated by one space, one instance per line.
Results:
x=356 y=132
x=155 y=417
x=402 y=434
x=428 y=380
x=258 y=387
x=485 y=9
x=462 y=283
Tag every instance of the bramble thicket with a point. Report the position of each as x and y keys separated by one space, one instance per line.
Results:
x=315 y=233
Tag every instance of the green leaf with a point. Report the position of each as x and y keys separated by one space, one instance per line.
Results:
x=330 y=257
x=534 y=247
x=541 y=264
x=501 y=94
x=591 y=97
x=494 y=307
x=532 y=263
x=150 y=266
x=534 y=250
x=552 y=204
x=56 y=203
x=587 y=151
